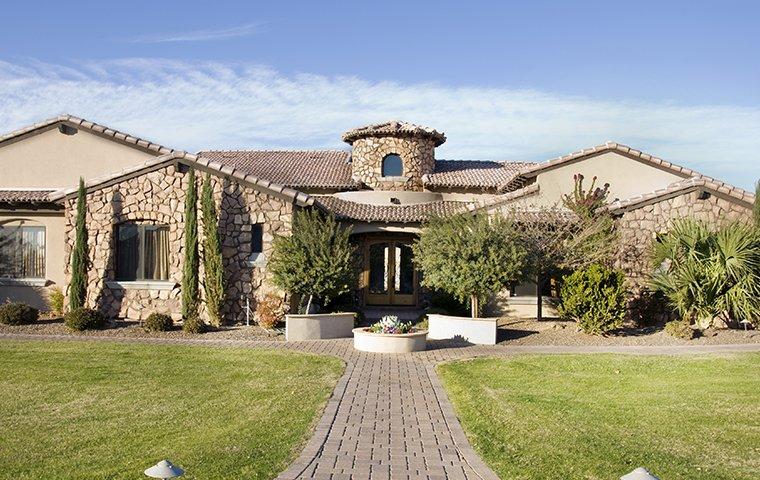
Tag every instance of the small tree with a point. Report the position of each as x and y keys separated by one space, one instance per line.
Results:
x=316 y=261
x=190 y=267
x=469 y=256
x=595 y=297
x=213 y=265
x=79 y=257
x=585 y=203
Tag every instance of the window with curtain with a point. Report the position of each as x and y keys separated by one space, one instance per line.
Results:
x=22 y=251
x=142 y=252
x=392 y=166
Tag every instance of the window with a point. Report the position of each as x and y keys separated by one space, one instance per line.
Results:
x=142 y=252
x=257 y=239
x=22 y=251
x=392 y=166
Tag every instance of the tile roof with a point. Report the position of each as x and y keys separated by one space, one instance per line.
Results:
x=473 y=174
x=348 y=210
x=393 y=128
x=294 y=168
x=152 y=164
x=680 y=187
x=10 y=195
x=91 y=126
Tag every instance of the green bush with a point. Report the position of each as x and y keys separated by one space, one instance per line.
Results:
x=194 y=324
x=84 y=319
x=680 y=329
x=158 y=322
x=18 y=314
x=56 y=299
x=595 y=297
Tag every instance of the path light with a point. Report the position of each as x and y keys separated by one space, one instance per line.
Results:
x=640 y=473
x=164 y=469
x=746 y=324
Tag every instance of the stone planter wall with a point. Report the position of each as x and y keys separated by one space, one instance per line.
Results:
x=639 y=227
x=481 y=331
x=318 y=326
x=159 y=198
x=417 y=155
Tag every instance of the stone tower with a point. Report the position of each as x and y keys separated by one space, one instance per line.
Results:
x=393 y=155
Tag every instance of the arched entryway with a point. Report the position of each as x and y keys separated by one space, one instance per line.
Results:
x=389 y=276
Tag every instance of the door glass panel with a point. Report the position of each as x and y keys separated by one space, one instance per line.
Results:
x=378 y=268
x=404 y=278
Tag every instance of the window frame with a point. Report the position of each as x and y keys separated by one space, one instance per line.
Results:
x=385 y=159
x=20 y=247
x=141 y=228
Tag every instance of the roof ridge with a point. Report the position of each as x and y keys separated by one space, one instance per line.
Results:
x=277 y=150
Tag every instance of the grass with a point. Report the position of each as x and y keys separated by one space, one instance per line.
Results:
x=600 y=416
x=109 y=410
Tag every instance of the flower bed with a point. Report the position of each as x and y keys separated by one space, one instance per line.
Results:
x=389 y=335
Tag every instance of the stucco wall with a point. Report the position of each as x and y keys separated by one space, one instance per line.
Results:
x=627 y=178
x=159 y=197
x=53 y=159
x=37 y=296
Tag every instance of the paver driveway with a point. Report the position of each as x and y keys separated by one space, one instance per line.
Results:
x=389 y=417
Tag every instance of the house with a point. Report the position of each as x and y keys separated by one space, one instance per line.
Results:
x=385 y=185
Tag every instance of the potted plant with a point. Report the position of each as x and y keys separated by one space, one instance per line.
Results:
x=390 y=335
x=470 y=256
x=316 y=263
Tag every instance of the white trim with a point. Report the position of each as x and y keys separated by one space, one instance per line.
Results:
x=141 y=285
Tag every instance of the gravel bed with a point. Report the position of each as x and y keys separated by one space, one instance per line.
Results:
x=124 y=329
x=532 y=332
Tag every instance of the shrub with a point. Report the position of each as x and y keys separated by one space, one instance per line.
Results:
x=708 y=273
x=80 y=261
x=191 y=261
x=269 y=311
x=194 y=324
x=317 y=261
x=213 y=264
x=391 y=325
x=84 y=319
x=56 y=299
x=158 y=322
x=469 y=256
x=595 y=297
x=18 y=314
x=680 y=329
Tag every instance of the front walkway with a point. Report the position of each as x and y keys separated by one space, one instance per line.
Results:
x=389 y=416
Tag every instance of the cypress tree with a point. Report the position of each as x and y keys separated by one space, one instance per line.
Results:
x=213 y=265
x=79 y=258
x=190 y=266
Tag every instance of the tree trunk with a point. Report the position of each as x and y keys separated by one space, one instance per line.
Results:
x=539 y=300
x=474 y=305
x=308 y=305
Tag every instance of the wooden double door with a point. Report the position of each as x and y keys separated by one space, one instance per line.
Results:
x=390 y=277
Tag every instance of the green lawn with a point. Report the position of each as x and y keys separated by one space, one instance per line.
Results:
x=109 y=410
x=600 y=416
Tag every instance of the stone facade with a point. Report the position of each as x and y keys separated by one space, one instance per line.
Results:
x=417 y=154
x=158 y=197
x=639 y=226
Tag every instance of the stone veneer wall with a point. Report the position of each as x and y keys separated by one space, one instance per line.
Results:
x=159 y=198
x=417 y=155
x=639 y=227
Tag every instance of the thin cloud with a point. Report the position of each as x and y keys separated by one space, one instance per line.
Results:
x=200 y=35
x=195 y=106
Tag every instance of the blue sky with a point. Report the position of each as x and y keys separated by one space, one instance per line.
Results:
x=504 y=80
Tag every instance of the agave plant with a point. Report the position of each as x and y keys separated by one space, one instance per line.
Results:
x=709 y=273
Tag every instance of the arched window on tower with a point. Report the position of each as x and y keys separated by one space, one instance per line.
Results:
x=392 y=166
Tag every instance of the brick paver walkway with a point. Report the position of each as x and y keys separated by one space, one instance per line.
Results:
x=389 y=417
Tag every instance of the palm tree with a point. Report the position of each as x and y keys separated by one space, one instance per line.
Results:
x=709 y=273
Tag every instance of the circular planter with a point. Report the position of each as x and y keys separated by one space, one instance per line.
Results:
x=389 y=343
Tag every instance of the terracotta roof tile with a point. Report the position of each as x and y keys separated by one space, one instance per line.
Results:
x=294 y=168
x=394 y=128
x=474 y=174
x=347 y=210
x=24 y=196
